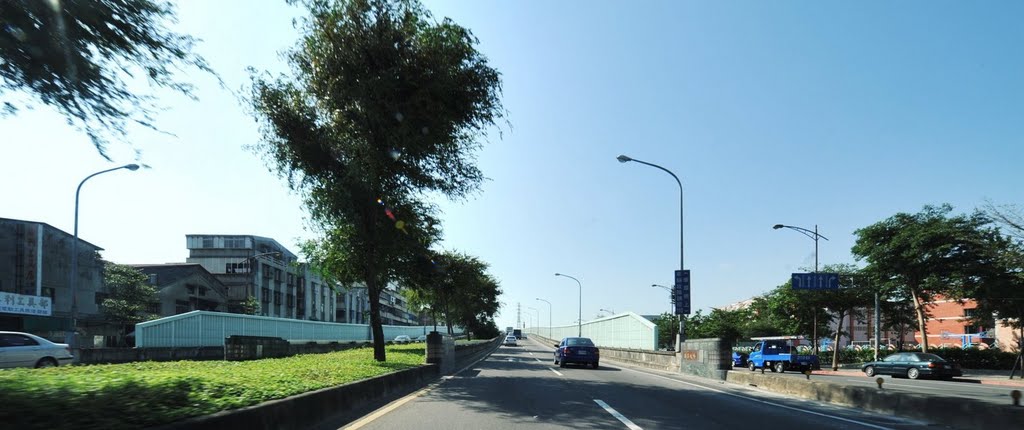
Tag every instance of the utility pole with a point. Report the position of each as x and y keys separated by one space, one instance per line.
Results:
x=519 y=315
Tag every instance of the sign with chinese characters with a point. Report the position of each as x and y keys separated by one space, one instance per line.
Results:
x=28 y=305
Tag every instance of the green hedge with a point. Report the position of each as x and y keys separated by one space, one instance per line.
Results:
x=144 y=394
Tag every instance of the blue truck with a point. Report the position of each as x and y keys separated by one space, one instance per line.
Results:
x=779 y=354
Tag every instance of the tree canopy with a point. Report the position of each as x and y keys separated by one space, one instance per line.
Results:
x=129 y=296
x=928 y=254
x=76 y=55
x=382 y=106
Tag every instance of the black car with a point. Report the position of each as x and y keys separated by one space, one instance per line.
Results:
x=913 y=365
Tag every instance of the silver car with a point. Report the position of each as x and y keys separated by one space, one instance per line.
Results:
x=28 y=350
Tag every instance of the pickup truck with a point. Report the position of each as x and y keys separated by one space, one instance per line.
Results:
x=777 y=355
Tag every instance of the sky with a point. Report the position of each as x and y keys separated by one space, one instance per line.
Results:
x=805 y=113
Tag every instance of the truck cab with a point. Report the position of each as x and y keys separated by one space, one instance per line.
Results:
x=779 y=354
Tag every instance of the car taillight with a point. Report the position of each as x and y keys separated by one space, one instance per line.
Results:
x=932 y=365
x=567 y=351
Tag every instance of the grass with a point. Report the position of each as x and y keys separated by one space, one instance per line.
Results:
x=143 y=394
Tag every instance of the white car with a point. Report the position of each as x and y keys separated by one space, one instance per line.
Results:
x=421 y=338
x=28 y=350
x=403 y=339
x=510 y=340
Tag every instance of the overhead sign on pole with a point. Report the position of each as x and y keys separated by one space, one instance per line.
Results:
x=816 y=281
x=681 y=292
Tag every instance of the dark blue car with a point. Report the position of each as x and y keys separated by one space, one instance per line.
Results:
x=739 y=359
x=577 y=350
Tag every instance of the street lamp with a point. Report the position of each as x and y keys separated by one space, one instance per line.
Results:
x=813 y=235
x=607 y=310
x=73 y=341
x=626 y=159
x=671 y=300
x=579 y=322
x=549 y=316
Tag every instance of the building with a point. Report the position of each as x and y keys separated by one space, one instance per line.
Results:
x=260 y=268
x=35 y=291
x=354 y=307
x=184 y=287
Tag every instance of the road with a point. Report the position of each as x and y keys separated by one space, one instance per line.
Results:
x=962 y=388
x=520 y=388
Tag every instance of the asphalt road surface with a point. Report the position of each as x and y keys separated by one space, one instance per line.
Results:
x=520 y=388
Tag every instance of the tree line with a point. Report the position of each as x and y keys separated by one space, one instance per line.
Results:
x=909 y=260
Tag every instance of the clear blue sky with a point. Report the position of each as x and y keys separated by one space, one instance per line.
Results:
x=838 y=114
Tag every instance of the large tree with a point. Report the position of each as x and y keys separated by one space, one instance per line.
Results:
x=382 y=106
x=855 y=292
x=76 y=56
x=457 y=286
x=928 y=254
x=129 y=297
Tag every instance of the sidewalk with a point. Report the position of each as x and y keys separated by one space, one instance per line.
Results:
x=977 y=376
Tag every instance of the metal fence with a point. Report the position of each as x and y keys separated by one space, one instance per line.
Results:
x=625 y=330
x=202 y=328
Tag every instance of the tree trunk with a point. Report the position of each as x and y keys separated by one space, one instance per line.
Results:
x=373 y=289
x=835 y=344
x=919 y=311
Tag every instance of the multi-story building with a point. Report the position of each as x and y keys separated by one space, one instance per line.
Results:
x=184 y=288
x=35 y=291
x=354 y=307
x=259 y=267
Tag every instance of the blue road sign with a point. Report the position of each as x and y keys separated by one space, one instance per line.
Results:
x=681 y=292
x=815 y=281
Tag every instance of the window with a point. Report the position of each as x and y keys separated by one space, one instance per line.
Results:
x=191 y=289
x=181 y=306
x=266 y=271
x=266 y=295
x=291 y=301
x=208 y=242
x=202 y=291
x=970 y=313
x=277 y=297
x=234 y=242
x=153 y=308
x=100 y=297
x=277 y=274
x=11 y=339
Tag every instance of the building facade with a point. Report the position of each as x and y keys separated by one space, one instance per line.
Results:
x=35 y=284
x=184 y=288
x=354 y=307
x=261 y=268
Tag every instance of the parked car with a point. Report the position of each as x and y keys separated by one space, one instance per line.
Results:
x=913 y=365
x=510 y=340
x=28 y=350
x=402 y=339
x=739 y=359
x=421 y=338
x=578 y=350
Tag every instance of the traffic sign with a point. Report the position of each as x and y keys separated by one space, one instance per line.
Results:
x=815 y=281
x=681 y=292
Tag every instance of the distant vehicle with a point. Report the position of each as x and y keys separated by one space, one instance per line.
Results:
x=913 y=365
x=510 y=340
x=508 y=330
x=517 y=333
x=739 y=359
x=402 y=339
x=421 y=338
x=578 y=350
x=28 y=350
x=777 y=354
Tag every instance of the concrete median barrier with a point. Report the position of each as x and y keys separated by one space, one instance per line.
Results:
x=952 y=411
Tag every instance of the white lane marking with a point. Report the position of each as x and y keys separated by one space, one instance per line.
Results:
x=556 y=372
x=766 y=402
x=629 y=424
x=538 y=360
x=531 y=352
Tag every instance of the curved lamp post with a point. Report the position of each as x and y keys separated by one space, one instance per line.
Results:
x=579 y=322
x=549 y=316
x=607 y=310
x=814 y=235
x=671 y=300
x=626 y=159
x=74 y=256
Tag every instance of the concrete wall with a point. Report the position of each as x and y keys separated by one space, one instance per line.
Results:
x=708 y=358
x=956 y=412
x=625 y=330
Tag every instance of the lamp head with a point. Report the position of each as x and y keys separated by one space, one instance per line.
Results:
x=624 y=159
x=132 y=167
x=558 y=274
x=777 y=226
